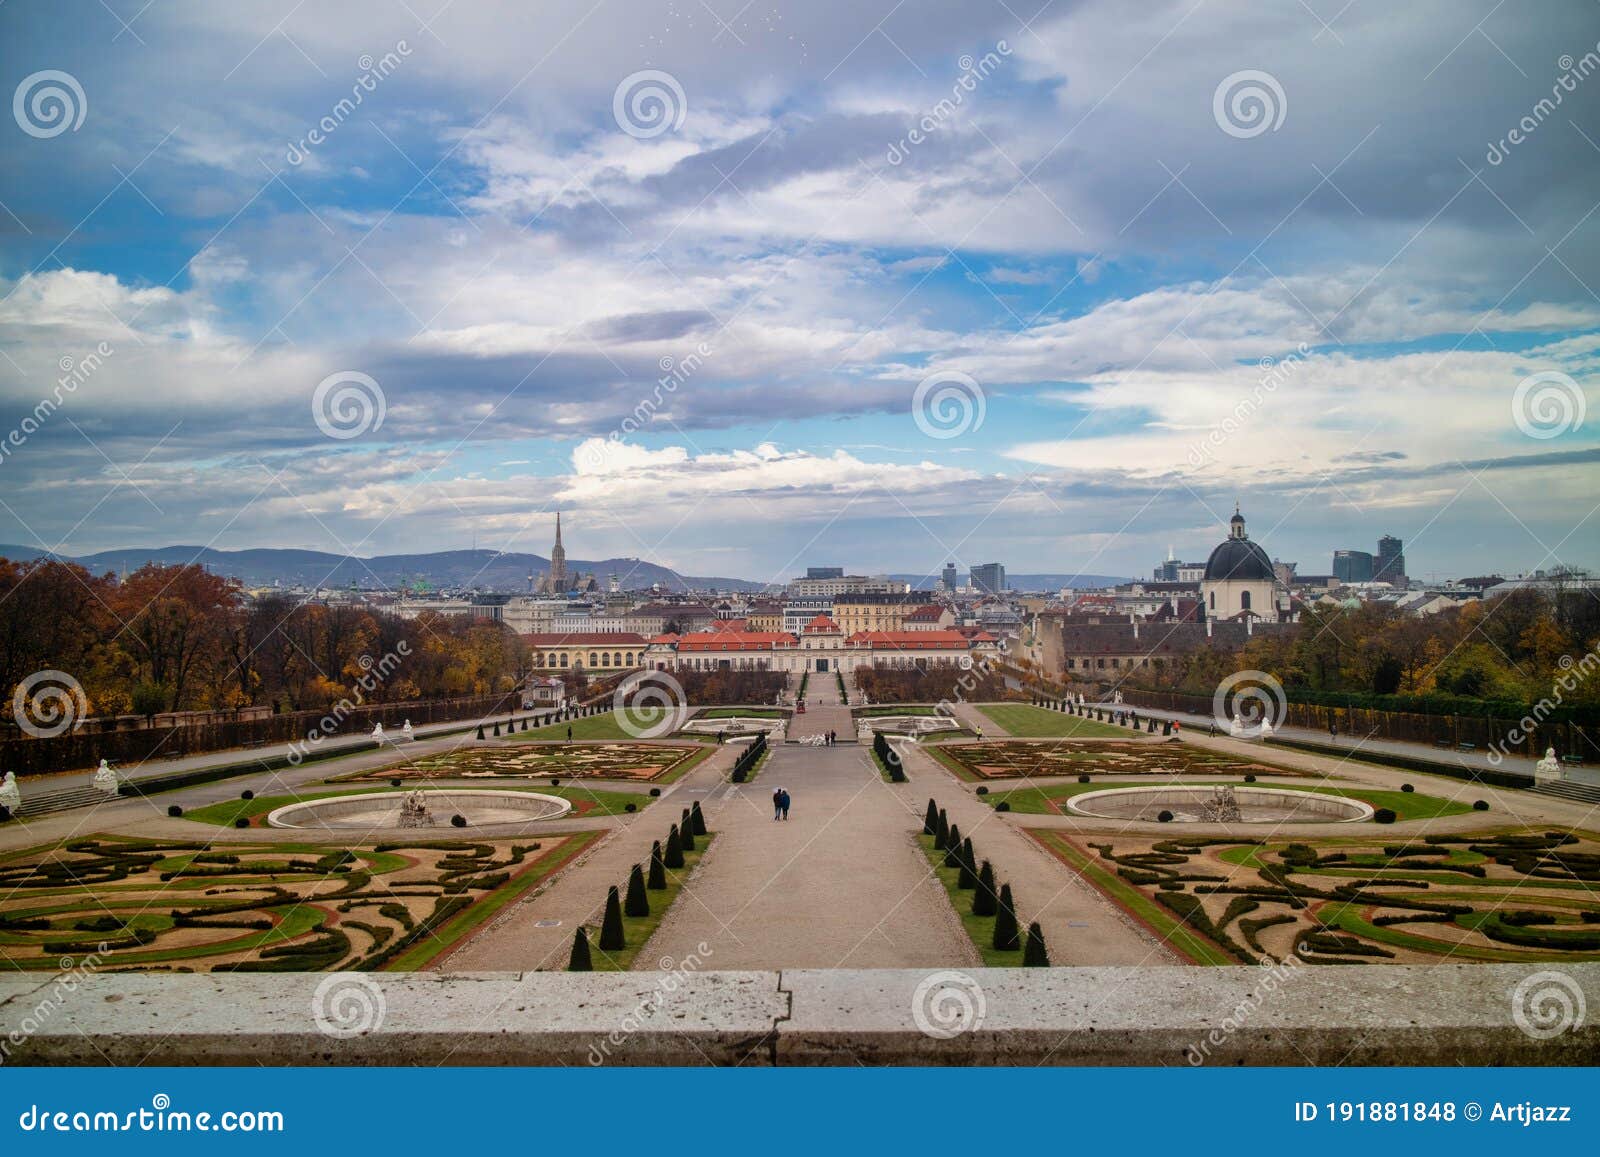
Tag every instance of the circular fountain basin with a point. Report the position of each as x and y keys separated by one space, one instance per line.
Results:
x=369 y=810
x=1257 y=805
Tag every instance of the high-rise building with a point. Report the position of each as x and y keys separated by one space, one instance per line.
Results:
x=990 y=578
x=948 y=579
x=824 y=572
x=1352 y=566
x=1390 y=566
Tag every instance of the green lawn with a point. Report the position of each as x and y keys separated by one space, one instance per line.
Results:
x=979 y=928
x=455 y=930
x=741 y=713
x=606 y=725
x=871 y=712
x=602 y=803
x=1025 y=721
x=1201 y=949
x=637 y=930
x=1406 y=805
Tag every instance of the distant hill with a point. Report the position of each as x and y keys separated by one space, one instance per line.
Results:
x=488 y=570
x=481 y=569
x=1023 y=582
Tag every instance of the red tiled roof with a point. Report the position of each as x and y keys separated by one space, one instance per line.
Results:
x=733 y=641
x=911 y=640
x=822 y=623
x=607 y=639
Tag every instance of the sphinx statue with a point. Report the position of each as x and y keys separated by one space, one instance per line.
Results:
x=1548 y=768
x=10 y=794
x=105 y=779
x=406 y=731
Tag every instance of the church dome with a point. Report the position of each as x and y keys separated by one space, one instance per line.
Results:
x=1237 y=558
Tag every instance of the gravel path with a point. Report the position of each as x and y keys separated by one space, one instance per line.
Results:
x=521 y=938
x=842 y=884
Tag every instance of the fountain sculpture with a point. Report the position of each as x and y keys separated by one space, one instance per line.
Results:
x=414 y=811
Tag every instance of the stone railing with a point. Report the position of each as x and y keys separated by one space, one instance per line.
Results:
x=1445 y=1014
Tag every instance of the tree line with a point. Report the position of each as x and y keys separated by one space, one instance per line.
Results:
x=178 y=638
x=1513 y=649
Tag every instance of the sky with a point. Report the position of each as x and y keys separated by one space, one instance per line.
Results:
x=742 y=287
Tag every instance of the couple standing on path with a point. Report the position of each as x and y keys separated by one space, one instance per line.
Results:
x=780 y=804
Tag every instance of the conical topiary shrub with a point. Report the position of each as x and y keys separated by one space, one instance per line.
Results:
x=941 y=832
x=686 y=830
x=579 y=960
x=480 y=731
x=674 y=853
x=699 y=819
x=1006 y=938
x=658 y=870
x=930 y=819
x=611 y=936
x=638 y=902
x=968 y=877
x=1033 y=953
x=952 y=847
x=983 y=899
x=497 y=729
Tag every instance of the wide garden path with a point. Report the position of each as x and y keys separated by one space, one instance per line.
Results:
x=536 y=932
x=842 y=884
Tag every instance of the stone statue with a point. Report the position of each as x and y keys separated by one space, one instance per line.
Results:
x=406 y=730
x=1266 y=728
x=105 y=779
x=414 y=811
x=1236 y=727
x=1222 y=807
x=1549 y=768
x=377 y=732
x=10 y=794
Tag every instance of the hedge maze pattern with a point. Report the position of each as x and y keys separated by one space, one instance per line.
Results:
x=640 y=761
x=1002 y=759
x=1508 y=896
x=195 y=907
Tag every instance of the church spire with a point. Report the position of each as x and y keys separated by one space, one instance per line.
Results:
x=558 y=528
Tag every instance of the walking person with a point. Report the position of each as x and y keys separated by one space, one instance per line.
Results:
x=783 y=802
x=777 y=804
